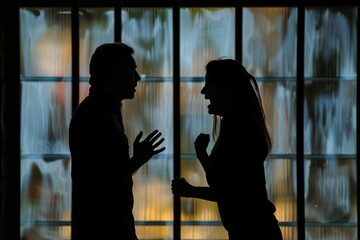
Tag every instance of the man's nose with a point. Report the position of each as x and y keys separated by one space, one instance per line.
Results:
x=137 y=77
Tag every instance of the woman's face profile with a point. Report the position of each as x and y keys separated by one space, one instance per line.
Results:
x=215 y=93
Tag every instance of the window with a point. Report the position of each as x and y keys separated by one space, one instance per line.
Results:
x=304 y=57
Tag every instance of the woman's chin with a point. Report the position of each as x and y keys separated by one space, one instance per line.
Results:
x=213 y=111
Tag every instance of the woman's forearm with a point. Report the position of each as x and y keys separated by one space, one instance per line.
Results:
x=204 y=160
x=204 y=193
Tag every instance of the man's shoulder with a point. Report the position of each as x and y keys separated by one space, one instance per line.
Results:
x=90 y=110
x=89 y=105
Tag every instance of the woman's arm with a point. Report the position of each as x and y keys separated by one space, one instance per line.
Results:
x=182 y=188
x=200 y=144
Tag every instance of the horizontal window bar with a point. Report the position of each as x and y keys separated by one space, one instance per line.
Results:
x=193 y=223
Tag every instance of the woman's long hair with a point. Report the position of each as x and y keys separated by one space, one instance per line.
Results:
x=243 y=87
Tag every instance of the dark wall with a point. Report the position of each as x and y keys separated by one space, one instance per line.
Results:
x=9 y=121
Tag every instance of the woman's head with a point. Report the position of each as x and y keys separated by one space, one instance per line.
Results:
x=231 y=89
x=226 y=68
x=228 y=87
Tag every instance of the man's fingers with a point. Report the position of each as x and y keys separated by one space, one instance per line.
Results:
x=153 y=134
x=138 y=137
x=158 y=143
x=159 y=150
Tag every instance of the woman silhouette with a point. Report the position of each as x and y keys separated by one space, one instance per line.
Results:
x=235 y=167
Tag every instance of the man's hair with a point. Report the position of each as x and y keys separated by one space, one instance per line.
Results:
x=106 y=57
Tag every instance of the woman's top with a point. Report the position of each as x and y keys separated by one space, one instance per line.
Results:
x=236 y=174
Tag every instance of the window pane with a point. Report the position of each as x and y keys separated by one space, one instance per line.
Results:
x=330 y=122
x=269 y=41
x=96 y=26
x=330 y=89
x=269 y=53
x=45 y=37
x=205 y=34
x=149 y=32
x=330 y=42
x=45 y=198
x=45 y=114
x=269 y=37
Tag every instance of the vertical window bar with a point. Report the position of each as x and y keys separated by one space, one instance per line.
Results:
x=300 y=124
x=176 y=116
x=10 y=115
x=357 y=126
x=118 y=22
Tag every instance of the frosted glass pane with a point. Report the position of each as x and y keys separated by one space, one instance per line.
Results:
x=330 y=123
x=148 y=232
x=269 y=41
x=150 y=32
x=204 y=232
x=330 y=42
x=279 y=102
x=96 y=26
x=42 y=232
x=153 y=200
x=281 y=186
x=84 y=88
x=150 y=109
x=45 y=116
x=153 y=197
x=331 y=233
x=45 y=198
x=194 y=117
x=330 y=197
x=193 y=209
x=330 y=117
x=45 y=42
x=205 y=34
x=289 y=232
x=45 y=56
x=45 y=175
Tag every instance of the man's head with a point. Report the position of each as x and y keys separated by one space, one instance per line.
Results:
x=113 y=69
